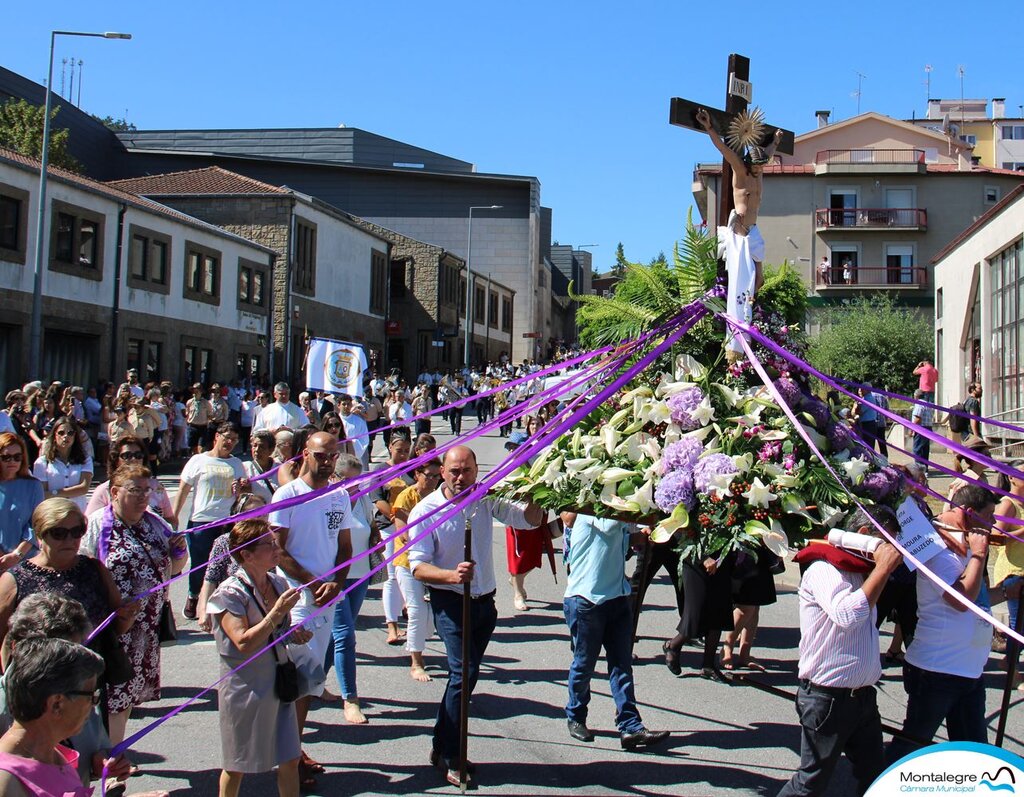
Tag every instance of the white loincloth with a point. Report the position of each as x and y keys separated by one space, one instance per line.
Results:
x=740 y=253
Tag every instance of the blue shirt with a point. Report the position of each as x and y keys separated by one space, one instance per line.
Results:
x=18 y=498
x=597 y=559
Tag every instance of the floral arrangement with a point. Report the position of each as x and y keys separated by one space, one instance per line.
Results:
x=715 y=464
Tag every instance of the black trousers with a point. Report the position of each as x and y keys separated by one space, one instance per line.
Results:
x=830 y=725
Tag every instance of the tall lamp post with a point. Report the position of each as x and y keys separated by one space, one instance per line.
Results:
x=36 y=329
x=469 y=278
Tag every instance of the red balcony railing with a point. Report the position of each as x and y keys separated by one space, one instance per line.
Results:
x=872 y=277
x=869 y=157
x=871 y=218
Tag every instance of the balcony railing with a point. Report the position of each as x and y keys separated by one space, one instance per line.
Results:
x=871 y=218
x=887 y=277
x=870 y=157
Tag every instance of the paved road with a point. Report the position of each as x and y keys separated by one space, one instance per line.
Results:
x=732 y=740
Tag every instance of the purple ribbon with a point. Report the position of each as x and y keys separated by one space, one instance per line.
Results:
x=921 y=402
x=945 y=441
x=964 y=601
x=548 y=433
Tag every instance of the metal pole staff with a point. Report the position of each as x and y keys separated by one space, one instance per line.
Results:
x=1012 y=652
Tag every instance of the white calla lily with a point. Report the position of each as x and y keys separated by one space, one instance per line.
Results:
x=679 y=519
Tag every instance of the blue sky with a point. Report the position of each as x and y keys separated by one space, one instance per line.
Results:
x=576 y=94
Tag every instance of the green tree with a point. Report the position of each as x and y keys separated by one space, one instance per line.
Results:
x=619 y=269
x=21 y=129
x=872 y=340
x=117 y=125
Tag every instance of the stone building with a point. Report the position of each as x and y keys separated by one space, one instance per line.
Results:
x=127 y=282
x=331 y=273
x=877 y=197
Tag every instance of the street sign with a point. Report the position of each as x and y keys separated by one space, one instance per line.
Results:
x=741 y=88
x=531 y=334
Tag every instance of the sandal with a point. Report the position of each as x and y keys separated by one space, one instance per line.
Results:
x=313 y=766
x=307 y=777
x=715 y=674
x=671 y=659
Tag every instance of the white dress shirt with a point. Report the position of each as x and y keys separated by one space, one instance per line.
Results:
x=445 y=546
x=838 y=638
x=276 y=415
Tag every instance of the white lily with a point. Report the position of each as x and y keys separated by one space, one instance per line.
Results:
x=703 y=413
x=540 y=464
x=553 y=471
x=732 y=397
x=633 y=446
x=619 y=419
x=773 y=538
x=743 y=462
x=666 y=389
x=615 y=475
x=610 y=498
x=856 y=468
x=720 y=484
x=574 y=466
x=610 y=438
x=657 y=412
x=644 y=496
x=638 y=392
x=773 y=434
x=672 y=433
x=590 y=475
x=759 y=494
x=786 y=480
x=772 y=469
x=651 y=448
x=697 y=434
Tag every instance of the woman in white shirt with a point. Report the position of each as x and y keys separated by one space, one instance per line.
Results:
x=64 y=468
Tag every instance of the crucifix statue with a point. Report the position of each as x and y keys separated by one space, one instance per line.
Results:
x=747 y=144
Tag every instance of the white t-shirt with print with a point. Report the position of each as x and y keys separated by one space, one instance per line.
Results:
x=313 y=526
x=211 y=479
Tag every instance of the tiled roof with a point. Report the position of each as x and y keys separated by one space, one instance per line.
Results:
x=983 y=219
x=212 y=180
x=808 y=168
x=952 y=167
x=119 y=195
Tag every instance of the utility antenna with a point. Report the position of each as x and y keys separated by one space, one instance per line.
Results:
x=960 y=71
x=79 y=103
x=63 y=72
x=71 y=89
x=927 y=86
x=858 y=92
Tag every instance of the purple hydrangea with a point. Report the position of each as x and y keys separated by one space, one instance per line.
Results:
x=682 y=404
x=790 y=392
x=839 y=437
x=819 y=412
x=675 y=488
x=709 y=467
x=880 y=485
x=681 y=455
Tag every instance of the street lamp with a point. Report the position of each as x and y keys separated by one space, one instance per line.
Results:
x=469 y=276
x=36 y=329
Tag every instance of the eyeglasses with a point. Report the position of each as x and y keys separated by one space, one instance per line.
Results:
x=60 y=533
x=10 y=457
x=325 y=456
x=139 y=492
x=130 y=455
x=94 y=695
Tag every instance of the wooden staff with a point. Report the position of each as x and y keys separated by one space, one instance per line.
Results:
x=467 y=627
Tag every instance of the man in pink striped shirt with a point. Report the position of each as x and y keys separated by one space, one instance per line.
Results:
x=839 y=660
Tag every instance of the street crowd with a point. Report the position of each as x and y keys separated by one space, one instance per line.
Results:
x=78 y=556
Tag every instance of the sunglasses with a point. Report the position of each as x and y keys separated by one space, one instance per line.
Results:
x=60 y=533
x=325 y=456
x=10 y=457
x=332 y=426
x=94 y=695
x=129 y=455
x=139 y=492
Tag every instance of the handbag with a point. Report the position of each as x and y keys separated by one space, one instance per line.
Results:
x=167 y=629
x=119 y=668
x=286 y=675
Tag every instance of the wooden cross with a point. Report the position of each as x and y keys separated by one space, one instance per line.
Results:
x=684 y=114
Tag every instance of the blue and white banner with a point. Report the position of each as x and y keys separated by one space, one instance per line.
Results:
x=335 y=366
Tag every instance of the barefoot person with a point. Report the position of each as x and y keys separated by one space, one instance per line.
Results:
x=740 y=241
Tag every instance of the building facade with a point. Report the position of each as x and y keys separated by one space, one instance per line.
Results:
x=997 y=139
x=979 y=312
x=127 y=283
x=874 y=197
x=331 y=273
